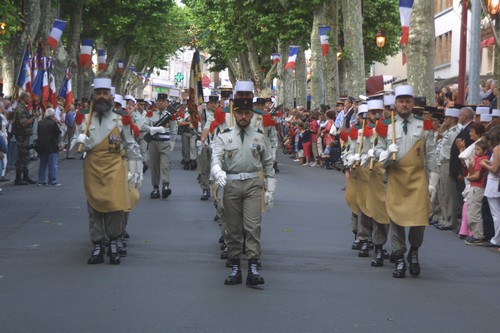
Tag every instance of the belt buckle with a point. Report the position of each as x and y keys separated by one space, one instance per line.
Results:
x=243 y=176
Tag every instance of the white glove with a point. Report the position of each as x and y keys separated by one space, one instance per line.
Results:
x=364 y=158
x=350 y=160
x=393 y=148
x=154 y=130
x=433 y=179
x=357 y=157
x=383 y=156
x=268 y=201
x=219 y=175
x=371 y=152
x=135 y=173
x=82 y=138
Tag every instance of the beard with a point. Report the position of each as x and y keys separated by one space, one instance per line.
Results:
x=102 y=105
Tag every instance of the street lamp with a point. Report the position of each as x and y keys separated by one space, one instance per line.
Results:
x=339 y=54
x=493 y=7
x=380 y=38
x=3 y=27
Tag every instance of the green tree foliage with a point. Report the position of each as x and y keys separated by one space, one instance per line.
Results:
x=10 y=14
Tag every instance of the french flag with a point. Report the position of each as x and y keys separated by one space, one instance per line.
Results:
x=52 y=86
x=101 y=60
x=275 y=57
x=55 y=33
x=292 y=57
x=66 y=91
x=324 y=35
x=45 y=86
x=86 y=53
x=24 y=76
x=405 y=15
x=120 y=66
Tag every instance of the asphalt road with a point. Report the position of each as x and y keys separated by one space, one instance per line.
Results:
x=172 y=279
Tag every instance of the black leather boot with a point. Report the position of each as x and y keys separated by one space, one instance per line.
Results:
x=253 y=277
x=97 y=255
x=413 y=262
x=155 y=194
x=206 y=195
x=400 y=271
x=235 y=276
x=275 y=166
x=19 y=178
x=165 y=191
x=356 y=245
x=26 y=176
x=193 y=165
x=378 y=260
x=121 y=248
x=224 y=254
x=114 y=256
x=365 y=249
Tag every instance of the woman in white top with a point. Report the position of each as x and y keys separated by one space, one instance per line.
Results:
x=493 y=181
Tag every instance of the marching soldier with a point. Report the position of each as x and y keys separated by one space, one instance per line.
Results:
x=407 y=159
x=206 y=150
x=139 y=117
x=107 y=141
x=160 y=147
x=239 y=154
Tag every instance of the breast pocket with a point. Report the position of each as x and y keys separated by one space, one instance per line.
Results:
x=231 y=152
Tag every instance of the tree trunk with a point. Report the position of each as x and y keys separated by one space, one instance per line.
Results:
x=253 y=61
x=73 y=45
x=13 y=51
x=245 y=71
x=420 y=50
x=301 y=79
x=317 y=84
x=330 y=63
x=287 y=82
x=354 y=55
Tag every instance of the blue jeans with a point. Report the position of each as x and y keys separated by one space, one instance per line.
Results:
x=12 y=154
x=50 y=160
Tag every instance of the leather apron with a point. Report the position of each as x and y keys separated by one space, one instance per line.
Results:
x=375 y=203
x=105 y=178
x=407 y=197
x=350 y=191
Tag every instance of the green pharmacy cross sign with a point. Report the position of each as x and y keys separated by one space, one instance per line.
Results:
x=179 y=77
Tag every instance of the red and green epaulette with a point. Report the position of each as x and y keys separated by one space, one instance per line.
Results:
x=344 y=136
x=353 y=133
x=127 y=120
x=149 y=114
x=428 y=125
x=382 y=127
x=79 y=118
x=368 y=130
x=135 y=130
x=267 y=120
x=120 y=112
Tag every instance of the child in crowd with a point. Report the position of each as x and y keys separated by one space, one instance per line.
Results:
x=474 y=198
x=305 y=136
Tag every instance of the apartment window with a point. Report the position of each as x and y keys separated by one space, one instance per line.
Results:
x=442 y=5
x=442 y=45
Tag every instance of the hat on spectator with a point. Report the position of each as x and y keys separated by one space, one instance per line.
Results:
x=375 y=104
x=486 y=117
x=102 y=83
x=482 y=110
x=451 y=112
x=403 y=90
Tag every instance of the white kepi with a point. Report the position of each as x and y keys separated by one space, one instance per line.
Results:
x=404 y=90
x=102 y=83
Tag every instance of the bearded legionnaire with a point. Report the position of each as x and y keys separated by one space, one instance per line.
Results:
x=160 y=147
x=239 y=155
x=22 y=127
x=207 y=117
x=110 y=182
x=408 y=159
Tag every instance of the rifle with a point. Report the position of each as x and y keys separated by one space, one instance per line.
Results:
x=172 y=108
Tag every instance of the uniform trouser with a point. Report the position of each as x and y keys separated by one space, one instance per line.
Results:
x=189 y=149
x=242 y=216
x=159 y=162
x=354 y=223
x=364 y=226
x=103 y=224
x=125 y=220
x=436 y=213
x=474 y=207
x=448 y=196
x=398 y=239
x=23 y=157
x=379 y=233
x=220 y=211
x=144 y=149
x=204 y=165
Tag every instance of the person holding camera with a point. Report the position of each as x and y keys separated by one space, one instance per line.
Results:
x=23 y=128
